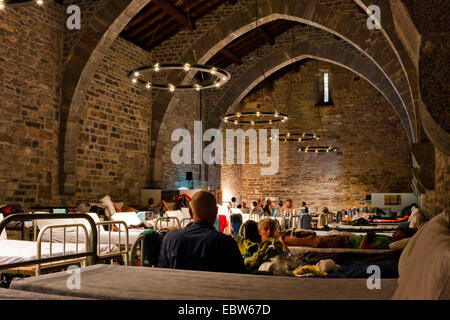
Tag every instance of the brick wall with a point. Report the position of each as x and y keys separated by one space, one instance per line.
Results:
x=374 y=150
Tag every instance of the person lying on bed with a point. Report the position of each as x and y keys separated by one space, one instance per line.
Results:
x=200 y=246
x=369 y=241
x=255 y=253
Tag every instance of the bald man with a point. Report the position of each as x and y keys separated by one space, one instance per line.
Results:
x=200 y=246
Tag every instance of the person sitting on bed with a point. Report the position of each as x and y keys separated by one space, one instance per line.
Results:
x=369 y=241
x=200 y=246
x=256 y=253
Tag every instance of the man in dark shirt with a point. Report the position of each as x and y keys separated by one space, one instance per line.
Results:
x=200 y=246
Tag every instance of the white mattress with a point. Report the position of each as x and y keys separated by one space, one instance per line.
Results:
x=102 y=237
x=13 y=251
x=140 y=283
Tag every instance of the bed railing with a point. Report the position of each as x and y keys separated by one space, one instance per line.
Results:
x=123 y=249
x=50 y=228
x=160 y=221
x=90 y=254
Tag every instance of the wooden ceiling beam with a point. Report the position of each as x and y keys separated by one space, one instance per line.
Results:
x=230 y=55
x=232 y=1
x=176 y=12
x=266 y=35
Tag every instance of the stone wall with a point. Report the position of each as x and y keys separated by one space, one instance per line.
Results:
x=113 y=151
x=433 y=202
x=30 y=76
x=374 y=150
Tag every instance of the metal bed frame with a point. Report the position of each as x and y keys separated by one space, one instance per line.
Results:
x=167 y=220
x=89 y=257
x=123 y=248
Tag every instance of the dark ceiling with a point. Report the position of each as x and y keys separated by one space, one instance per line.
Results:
x=162 y=19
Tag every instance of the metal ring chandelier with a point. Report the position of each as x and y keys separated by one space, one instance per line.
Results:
x=219 y=76
x=296 y=137
x=317 y=149
x=252 y=118
x=21 y=3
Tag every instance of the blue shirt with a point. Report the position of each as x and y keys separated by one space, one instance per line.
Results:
x=201 y=247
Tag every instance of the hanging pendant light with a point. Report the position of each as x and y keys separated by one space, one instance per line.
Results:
x=257 y=117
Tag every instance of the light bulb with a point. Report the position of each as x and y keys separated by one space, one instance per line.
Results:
x=270 y=121
x=276 y=114
x=40 y=2
x=136 y=74
x=197 y=87
x=157 y=67
x=225 y=119
x=148 y=85
x=213 y=71
x=299 y=139
x=238 y=114
x=258 y=113
x=171 y=88
x=288 y=134
x=236 y=122
x=134 y=80
x=252 y=123
x=217 y=84
x=224 y=78
x=187 y=67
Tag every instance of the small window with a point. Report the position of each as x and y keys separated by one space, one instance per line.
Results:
x=326 y=92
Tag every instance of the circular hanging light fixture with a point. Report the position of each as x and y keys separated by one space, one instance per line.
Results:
x=254 y=118
x=20 y=3
x=258 y=117
x=296 y=137
x=317 y=149
x=218 y=76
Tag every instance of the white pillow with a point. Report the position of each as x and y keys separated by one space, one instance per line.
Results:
x=3 y=235
x=130 y=218
x=399 y=245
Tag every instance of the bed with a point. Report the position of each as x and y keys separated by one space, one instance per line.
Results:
x=29 y=257
x=121 y=239
x=122 y=282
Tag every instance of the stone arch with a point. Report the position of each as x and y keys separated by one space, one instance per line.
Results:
x=229 y=101
x=80 y=66
x=308 y=12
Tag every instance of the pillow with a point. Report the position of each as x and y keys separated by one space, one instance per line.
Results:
x=399 y=245
x=3 y=235
x=424 y=265
x=130 y=218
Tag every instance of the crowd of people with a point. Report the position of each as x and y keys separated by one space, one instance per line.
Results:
x=200 y=246
x=267 y=208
